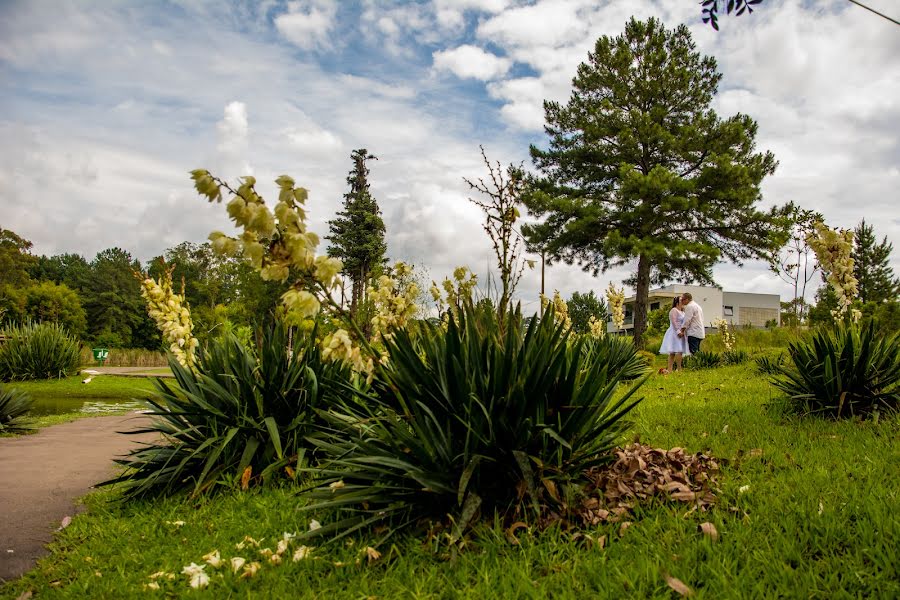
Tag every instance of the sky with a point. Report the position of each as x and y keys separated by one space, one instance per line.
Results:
x=106 y=106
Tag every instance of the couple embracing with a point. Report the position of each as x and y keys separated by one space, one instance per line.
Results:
x=685 y=330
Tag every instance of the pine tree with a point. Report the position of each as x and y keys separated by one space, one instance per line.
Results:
x=871 y=266
x=641 y=167
x=357 y=234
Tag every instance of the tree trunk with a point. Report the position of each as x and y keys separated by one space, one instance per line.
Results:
x=641 y=297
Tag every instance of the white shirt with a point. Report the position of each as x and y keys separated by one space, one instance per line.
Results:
x=693 y=321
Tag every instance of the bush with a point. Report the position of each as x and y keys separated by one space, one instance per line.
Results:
x=488 y=416
x=14 y=408
x=735 y=357
x=704 y=360
x=768 y=365
x=619 y=354
x=37 y=351
x=843 y=371
x=245 y=412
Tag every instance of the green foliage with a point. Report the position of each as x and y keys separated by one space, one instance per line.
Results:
x=243 y=409
x=703 y=360
x=872 y=266
x=488 y=416
x=37 y=351
x=768 y=365
x=357 y=234
x=584 y=306
x=842 y=371
x=658 y=320
x=14 y=407
x=640 y=166
x=618 y=353
x=49 y=302
x=735 y=357
x=15 y=259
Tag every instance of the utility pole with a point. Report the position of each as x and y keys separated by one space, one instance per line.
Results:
x=542 y=272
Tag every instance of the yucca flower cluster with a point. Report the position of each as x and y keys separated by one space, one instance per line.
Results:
x=833 y=249
x=560 y=309
x=596 y=327
x=616 y=301
x=279 y=246
x=725 y=331
x=395 y=301
x=456 y=291
x=172 y=316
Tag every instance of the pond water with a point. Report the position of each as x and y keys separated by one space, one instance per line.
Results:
x=59 y=406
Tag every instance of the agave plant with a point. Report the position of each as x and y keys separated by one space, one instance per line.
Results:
x=37 y=351
x=850 y=369
x=704 y=360
x=489 y=415
x=14 y=408
x=735 y=357
x=768 y=365
x=244 y=414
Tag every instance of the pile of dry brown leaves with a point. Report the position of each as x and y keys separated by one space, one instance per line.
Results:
x=641 y=473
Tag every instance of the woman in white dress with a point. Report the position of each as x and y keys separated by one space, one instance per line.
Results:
x=676 y=347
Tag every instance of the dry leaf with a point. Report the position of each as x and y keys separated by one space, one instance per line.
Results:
x=511 y=532
x=372 y=554
x=756 y=452
x=679 y=586
x=67 y=520
x=26 y=595
x=601 y=542
x=290 y=472
x=709 y=530
x=245 y=478
x=623 y=527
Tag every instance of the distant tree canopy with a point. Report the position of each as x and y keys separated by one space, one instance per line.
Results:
x=584 y=306
x=641 y=167
x=875 y=278
x=357 y=234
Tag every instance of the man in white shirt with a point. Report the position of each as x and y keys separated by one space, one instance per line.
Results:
x=693 y=326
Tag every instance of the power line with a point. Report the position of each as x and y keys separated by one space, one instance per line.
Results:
x=894 y=21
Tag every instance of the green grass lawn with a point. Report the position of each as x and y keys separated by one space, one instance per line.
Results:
x=817 y=518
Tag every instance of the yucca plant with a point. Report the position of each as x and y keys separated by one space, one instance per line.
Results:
x=735 y=357
x=14 y=408
x=245 y=414
x=489 y=415
x=619 y=354
x=842 y=371
x=768 y=365
x=37 y=351
x=704 y=360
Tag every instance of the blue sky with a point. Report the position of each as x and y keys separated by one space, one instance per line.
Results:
x=105 y=106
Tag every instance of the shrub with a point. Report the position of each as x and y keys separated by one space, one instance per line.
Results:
x=735 y=357
x=243 y=413
x=488 y=416
x=768 y=365
x=704 y=360
x=619 y=354
x=842 y=371
x=37 y=351
x=14 y=408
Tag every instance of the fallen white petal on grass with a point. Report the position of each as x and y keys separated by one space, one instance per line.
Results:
x=200 y=580
x=743 y=489
x=302 y=552
x=175 y=523
x=313 y=525
x=213 y=559
x=237 y=562
x=336 y=485
x=192 y=569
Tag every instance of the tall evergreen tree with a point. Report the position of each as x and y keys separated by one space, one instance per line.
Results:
x=357 y=234
x=871 y=266
x=641 y=167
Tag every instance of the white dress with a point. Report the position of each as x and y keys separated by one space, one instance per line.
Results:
x=672 y=344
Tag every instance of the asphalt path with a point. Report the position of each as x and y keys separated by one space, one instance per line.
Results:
x=41 y=476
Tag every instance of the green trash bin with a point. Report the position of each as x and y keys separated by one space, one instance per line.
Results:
x=100 y=355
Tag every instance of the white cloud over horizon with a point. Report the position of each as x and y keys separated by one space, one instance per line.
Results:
x=110 y=107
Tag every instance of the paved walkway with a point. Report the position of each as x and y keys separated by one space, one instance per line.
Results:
x=130 y=371
x=42 y=474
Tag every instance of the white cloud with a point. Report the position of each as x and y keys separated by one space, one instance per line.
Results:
x=307 y=25
x=233 y=128
x=471 y=62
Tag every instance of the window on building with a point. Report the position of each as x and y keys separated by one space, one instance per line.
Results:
x=729 y=311
x=654 y=306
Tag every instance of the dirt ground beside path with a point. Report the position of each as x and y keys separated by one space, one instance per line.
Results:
x=41 y=475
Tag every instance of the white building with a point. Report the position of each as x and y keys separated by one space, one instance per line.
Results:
x=738 y=308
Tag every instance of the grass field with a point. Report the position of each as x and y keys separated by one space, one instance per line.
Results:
x=808 y=509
